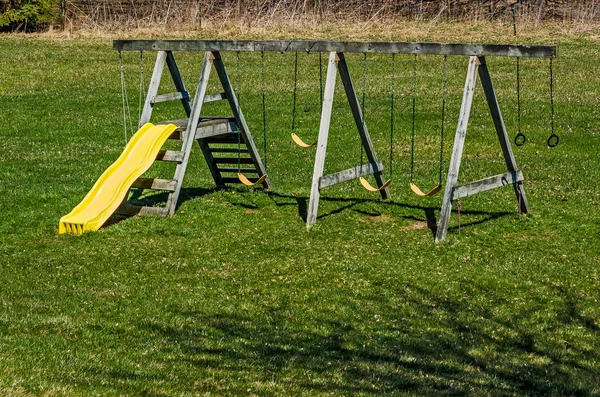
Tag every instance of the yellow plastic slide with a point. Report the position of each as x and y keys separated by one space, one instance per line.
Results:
x=112 y=186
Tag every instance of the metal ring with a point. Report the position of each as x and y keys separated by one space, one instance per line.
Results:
x=520 y=139
x=552 y=140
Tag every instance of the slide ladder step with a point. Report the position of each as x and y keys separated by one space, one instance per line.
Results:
x=215 y=97
x=170 y=155
x=242 y=170
x=130 y=210
x=173 y=96
x=233 y=160
x=229 y=150
x=167 y=185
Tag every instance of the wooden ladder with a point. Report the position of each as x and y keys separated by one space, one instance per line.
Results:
x=226 y=142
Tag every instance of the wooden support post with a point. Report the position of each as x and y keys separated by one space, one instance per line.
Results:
x=176 y=76
x=509 y=157
x=159 y=66
x=190 y=132
x=459 y=142
x=239 y=116
x=315 y=194
x=360 y=124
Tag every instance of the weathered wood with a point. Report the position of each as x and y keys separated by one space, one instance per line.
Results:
x=155 y=184
x=242 y=170
x=242 y=126
x=176 y=76
x=177 y=135
x=194 y=117
x=231 y=180
x=233 y=160
x=215 y=97
x=228 y=150
x=509 y=157
x=229 y=139
x=482 y=185
x=173 y=96
x=360 y=123
x=159 y=66
x=459 y=142
x=469 y=49
x=170 y=155
x=215 y=128
x=315 y=194
x=349 y=174
x=131 y=210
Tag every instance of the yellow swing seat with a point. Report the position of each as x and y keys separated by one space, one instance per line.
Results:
x=298 y=141
x=370 y=188
x=248 y=182
x=419 y=192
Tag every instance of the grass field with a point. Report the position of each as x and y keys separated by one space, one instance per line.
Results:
x=231 y=296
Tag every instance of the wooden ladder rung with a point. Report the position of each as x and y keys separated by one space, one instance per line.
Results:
x=170 y=155
x=236 y=180
x=127 y=209
x=242 y=170
x=233 y=160
x=228 y=150
x=155 y=184
x=173 y=96
x=215 y=97
x=225 y=138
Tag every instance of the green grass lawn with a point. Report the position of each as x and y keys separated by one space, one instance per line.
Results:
x=232 y=296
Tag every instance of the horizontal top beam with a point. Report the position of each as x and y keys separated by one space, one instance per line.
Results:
x=510 y=50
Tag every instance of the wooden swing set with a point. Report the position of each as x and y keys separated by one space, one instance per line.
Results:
x=213 y=134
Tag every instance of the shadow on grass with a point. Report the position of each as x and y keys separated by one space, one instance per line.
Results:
x=350 y=204
x=435 y=344
x=346 y=204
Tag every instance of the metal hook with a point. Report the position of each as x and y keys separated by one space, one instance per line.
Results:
x=310 y=47
x=288 y=46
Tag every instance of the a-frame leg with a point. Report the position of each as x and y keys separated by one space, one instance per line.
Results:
x=507 y=151
x=157 y=72
x=360 y=124
x=337 y=63
x=315 y=194
x=162 y=58
x=478 y=66
x=239 y=117
x=190 y=132
x=459 y=143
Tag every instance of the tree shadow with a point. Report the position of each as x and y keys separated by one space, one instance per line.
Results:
x=466 y=349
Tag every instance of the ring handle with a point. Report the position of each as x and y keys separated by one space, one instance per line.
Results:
x=553 y=140
x=520 y=139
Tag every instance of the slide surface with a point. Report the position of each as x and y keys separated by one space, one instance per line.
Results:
x=112 y=186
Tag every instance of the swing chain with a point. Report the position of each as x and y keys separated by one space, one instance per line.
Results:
x=520 y=138
x=553 y=138
x=142 y=86
x=264 y=108
x=414 y=106
x=444 y=90
x=393 y=98
x=362 y=108
x=125 y=100
x=238 y=94
x=295 y=92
